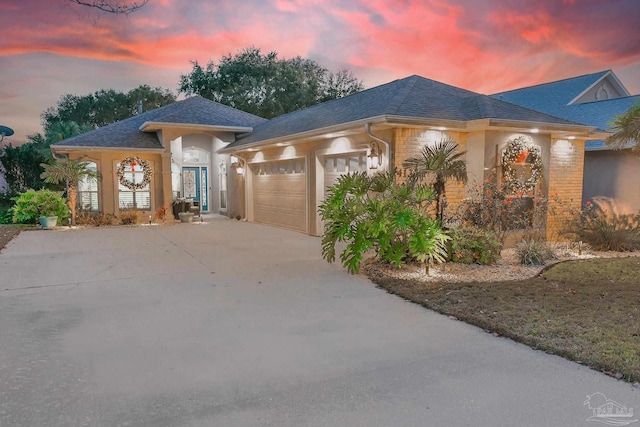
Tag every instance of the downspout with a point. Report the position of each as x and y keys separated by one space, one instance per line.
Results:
x=387 y=144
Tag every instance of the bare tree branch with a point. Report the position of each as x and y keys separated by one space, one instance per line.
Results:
x=117 y=7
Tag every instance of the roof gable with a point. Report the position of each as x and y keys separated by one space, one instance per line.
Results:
x=127 y=134
x=549 y=97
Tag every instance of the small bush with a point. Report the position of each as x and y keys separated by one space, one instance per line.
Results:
x=33 y=204
x=471 y=245
x=610 y=232
x=534 y=252
x=129 y=217
x=94 y=219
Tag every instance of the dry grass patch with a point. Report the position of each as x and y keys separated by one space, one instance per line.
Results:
x=585 y=310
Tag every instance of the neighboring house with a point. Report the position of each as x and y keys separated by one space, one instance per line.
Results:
x=610 y=176
x=276 y=172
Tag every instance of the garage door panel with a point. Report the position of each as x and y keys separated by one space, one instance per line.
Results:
x=281 y=199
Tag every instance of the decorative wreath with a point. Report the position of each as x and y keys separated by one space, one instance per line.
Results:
x=521 y=150
x=131 y=163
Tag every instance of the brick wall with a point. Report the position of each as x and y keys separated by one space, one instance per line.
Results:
x=409 y=143
x=566 y=167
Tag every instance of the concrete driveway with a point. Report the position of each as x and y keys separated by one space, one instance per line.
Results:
x=234 y=324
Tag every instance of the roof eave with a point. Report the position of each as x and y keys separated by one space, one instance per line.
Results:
x=583 y=131
x=305 y=136
x=73 y=148
x=156 y=126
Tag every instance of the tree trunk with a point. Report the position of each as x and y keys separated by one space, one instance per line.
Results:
x=72 y=196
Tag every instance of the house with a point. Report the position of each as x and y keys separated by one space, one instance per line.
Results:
x=276 y=171
x=148 y=160
x=593 y=99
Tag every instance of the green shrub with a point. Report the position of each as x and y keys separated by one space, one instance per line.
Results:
x=534 y=252
x=33 y=204
x=376 y=213
x=5 y=209
x=472 y=245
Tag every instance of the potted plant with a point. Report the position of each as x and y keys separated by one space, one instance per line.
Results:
x=43 y=205
x=185 y=216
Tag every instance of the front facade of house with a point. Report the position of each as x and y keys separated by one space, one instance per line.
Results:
x=275 y=172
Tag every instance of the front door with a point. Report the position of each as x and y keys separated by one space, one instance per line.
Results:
x=196 y=184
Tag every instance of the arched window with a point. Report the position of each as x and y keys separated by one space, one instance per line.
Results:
x=135 y=193
x=195 y=155
x=88 y=192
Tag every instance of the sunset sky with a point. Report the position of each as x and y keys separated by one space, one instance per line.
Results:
x=49 y=48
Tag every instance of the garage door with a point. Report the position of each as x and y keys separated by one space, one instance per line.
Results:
x=280 y=194
x=334 y=166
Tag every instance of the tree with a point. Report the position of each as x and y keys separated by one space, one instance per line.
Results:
x=70 y=173
x=105 y=106
x=626 y=128
x=265 y=85
x=117 y=7
x=21 y=164
x=442 y=162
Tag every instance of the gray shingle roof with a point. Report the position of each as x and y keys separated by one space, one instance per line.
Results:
x=412 y=97
x=554 y=97
x=194 y=110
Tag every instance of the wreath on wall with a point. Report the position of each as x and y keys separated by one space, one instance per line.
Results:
x=521 y=150
x=129 y=163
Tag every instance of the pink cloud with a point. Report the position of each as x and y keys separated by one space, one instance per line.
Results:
x=482 y=45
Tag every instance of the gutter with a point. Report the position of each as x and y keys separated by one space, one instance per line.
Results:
x=387 y=144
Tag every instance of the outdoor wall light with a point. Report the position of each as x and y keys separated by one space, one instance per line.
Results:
x=238 y=164
x=374 y=155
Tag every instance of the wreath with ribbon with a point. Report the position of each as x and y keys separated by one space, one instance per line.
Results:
x=130 y=163
x=521 y=150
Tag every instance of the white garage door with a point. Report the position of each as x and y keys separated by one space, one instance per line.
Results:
x=334 y=166
x=280 y=194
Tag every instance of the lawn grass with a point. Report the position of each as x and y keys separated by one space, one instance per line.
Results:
x=584 y=310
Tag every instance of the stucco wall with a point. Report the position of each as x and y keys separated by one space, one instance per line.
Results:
x=106 y=162
x=611 y=179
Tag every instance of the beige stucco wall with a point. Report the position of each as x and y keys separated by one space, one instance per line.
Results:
x=611 y=180
x=106 y=162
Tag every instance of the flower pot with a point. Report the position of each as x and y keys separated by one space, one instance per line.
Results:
x=48 y=222
x=186 y=217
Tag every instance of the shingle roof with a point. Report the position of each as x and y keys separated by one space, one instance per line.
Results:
x=550 y=97
x=194 y=110
x=411 y=97
x=554 y=97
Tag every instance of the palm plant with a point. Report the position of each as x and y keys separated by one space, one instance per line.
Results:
x=69 y=172
x=626 y=128
x=443 y=161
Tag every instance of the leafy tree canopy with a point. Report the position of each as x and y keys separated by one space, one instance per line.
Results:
x=626 y=128
x=104 y=106
x=265 y=85
x=117 y=7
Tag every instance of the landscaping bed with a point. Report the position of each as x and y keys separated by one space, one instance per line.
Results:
x=8 y=232
x=587 y=310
